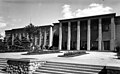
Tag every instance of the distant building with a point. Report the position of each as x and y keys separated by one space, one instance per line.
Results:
x=100 y=32
x=43 y=38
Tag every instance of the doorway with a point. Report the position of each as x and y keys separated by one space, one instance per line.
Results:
x=106 y=45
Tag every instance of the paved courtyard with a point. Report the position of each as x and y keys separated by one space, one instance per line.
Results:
x=95 y=58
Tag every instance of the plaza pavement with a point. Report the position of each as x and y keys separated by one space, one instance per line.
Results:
x=95 y=58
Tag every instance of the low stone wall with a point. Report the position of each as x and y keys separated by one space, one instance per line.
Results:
x=23 y=66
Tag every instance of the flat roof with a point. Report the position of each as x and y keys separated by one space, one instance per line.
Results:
x=23 y=28
x=90 y=17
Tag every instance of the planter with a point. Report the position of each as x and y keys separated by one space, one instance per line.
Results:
x=23 y=66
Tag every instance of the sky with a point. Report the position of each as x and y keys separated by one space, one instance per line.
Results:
x=19 y=13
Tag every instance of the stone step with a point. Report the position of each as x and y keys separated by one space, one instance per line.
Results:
x=40 y=73
x=51 y=71
x=54 y=71
x=2 y=67
x=3 y=72
x=73 y=68
x=73 y=64
x=97 y=67
x=68 y=68
x=3 y=64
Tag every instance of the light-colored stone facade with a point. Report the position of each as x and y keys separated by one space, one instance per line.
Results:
x=43 y=38
x=100 y=32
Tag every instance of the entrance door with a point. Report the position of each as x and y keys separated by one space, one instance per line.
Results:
x=83 y=45
x=106 y=45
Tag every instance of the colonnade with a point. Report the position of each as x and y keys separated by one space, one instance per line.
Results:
x=112 y=34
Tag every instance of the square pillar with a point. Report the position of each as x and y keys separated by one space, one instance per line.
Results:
x=13 y=37
x=78 y=35
x=50 y=36
x=27 y=36
x=45 y=37
x=69 y=36
x=112 y=41
x=20 y=36
x=60 y=37
x=23 y=34
x=16 y=34
x=35 y=40
x=88 y=35
x=100 y=35
x=40 y=37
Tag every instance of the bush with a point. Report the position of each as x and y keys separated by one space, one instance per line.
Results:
x=118 y=49
x=38 y=50
x=72 y=53
x=3 y=47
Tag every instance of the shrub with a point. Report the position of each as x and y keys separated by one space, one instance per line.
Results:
x=118 y=49
x=72 y=53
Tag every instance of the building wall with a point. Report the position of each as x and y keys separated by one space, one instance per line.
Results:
x=117 y=22
x=36 y=38
x=106 y=32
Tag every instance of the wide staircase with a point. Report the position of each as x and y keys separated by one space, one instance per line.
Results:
x=3 y=64
x=60 y=68
x=68 y=68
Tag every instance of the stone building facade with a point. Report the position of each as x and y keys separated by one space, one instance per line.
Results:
x=43 y=38
x=100 y=32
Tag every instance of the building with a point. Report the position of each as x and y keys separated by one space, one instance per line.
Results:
x=100 y=32
x=44 y=37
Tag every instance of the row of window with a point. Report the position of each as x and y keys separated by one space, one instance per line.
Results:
x=94 y=28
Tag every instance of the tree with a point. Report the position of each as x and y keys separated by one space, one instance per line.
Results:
x=32 y=31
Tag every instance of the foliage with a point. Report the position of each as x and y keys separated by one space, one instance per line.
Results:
x=31 y=30
x=72 y=53
x=2 y=47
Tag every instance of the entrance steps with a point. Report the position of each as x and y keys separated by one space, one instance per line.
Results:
x=68 y=68
x=3 y=64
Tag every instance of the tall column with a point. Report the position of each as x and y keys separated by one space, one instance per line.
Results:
x=100 y=35
x=78 y=35
x=112 y=41
x=13 y=37
x=35 y=40
x=23 y=34
x=88 y=35
x=60 y=36
x=27 y=36
x=45 y=37
x=69 y=36
x=50 y=36
x=16 y=35
x=40 y=37
x=20 y=36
